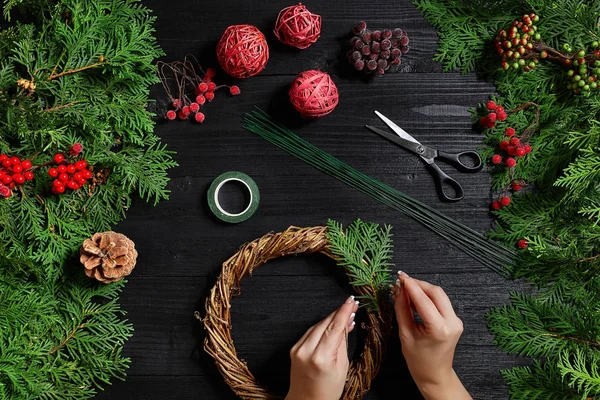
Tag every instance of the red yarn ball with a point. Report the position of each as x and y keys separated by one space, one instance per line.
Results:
x=314 y=94
x=297 y=27
x=242 y=51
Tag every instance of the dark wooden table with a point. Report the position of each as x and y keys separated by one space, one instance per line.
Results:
x=182 y=247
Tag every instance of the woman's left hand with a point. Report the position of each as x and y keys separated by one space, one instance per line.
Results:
x=320 y=358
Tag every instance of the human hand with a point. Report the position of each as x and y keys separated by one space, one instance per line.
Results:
x=320 y=358
x=428 y=348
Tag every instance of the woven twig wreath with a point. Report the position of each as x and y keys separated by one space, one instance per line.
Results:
x=217 y=320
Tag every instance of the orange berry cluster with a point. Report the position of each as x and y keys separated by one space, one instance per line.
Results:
x=516 y=44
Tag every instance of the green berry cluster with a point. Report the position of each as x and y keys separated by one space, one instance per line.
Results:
x=583 y=68
x=516 y=44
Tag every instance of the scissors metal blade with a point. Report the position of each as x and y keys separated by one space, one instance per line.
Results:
x=425 y=152
x=399 y=131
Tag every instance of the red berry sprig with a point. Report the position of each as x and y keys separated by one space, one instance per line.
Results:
x=492 y=114
x=194 y=88
x=13 y=173
x=68 y=175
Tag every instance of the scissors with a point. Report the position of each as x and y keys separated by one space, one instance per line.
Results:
x=430 y=155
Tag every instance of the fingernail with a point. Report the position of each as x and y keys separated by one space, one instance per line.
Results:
x=353 y=323
x=352 y=315
x=356 y=302
x=350 y=300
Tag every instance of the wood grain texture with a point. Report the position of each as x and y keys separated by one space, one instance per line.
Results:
x=181 y=246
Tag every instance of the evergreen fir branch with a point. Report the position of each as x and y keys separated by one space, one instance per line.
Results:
x=581 y=370
x=541 y=381
x=364 y=250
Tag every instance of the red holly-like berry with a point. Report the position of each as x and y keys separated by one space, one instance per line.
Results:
x=71 y=169
x=496 y=205
x=505 y=201
x=15 y=160
x=206 y=78
x=3 y=157
x=56 y=183
x=18 y=179
x=194 y=107
x=63 y=177
x=17 y=168
x=6 y=179
x=79 y=165
x=520 y=152
x=211 y=72
x=496 y=159
x=61 y=168
x=6 y=163
x=199 y=117
x=171 y=115
x=527 y=148
x=86 y=174
x=26 y=164
x=510 y=132
x=186 y=110
x=28 y=175
x=53 y=172
x=200 y=99
x=58 y=189
x=516 y=186
x=210 y=96
x=176 y=104
x=499 y=109
x=492 y=117
x=203 y=87
x=5 y=191
x=491 y=105
x=81 y=181
x=182 y=115
x=75 y=149
x=234 y=90
x=502 y=116
x=58 y=158
x=504 y=145
x=72 y=185
x=514 y=141
x=77 y=176
x=512 y=150
x=510 y=162
x=211 y=86
x=522 y=244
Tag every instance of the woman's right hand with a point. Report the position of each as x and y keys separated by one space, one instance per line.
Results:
x=429 y=347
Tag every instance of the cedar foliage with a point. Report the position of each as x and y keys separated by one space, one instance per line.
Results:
x=558 y=327
x=61 y=334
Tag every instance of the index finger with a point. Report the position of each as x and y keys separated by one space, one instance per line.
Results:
x=423 y=304
x=336 y=330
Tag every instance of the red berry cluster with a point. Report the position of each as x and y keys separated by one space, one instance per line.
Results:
x=68 y=175
x=193 y=90
x=516 y=44
x=493 y=114
x=513 y=148
x=13 y=172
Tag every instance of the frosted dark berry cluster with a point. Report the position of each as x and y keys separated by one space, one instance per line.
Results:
x=68 y=175
x=516 y=44
x=13 y=173
x=375 y=52
x=194 y=89
x=493 y=113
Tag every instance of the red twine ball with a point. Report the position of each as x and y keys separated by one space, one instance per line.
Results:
x=314 y=94
x=297 y=27
x=242 y=51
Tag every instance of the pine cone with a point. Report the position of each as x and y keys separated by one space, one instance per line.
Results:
x=108 y=256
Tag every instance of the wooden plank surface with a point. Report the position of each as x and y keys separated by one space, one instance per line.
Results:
x=181 y=246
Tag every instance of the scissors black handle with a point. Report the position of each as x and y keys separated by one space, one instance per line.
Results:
x=441 y=179
x=455 y=160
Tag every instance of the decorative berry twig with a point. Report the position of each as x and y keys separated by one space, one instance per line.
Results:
x=189 y=87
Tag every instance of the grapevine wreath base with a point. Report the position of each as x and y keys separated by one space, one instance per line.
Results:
x=217 y=320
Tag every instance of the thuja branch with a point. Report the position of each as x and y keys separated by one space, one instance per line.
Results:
x=574 y=339
x=54 y=75
x=64 y=342
x=62 y=106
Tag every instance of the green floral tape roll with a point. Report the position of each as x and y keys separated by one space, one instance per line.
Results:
x=213 y=197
